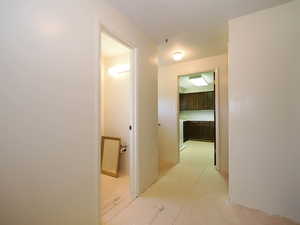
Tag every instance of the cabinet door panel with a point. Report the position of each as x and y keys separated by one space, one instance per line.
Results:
x=210 y=100
x=199 y=130
x=197 y=101
x=181 y=102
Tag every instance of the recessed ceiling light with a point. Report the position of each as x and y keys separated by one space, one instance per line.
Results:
x=198 y=81
x=177 y=56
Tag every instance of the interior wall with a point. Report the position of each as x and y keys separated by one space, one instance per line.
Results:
x=209 y=87
x=197 y=115
x=117 y=105
x=49 y=166
x=168 y=105
x=264 y=58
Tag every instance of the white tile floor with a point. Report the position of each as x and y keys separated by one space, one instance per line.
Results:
x=191 y=193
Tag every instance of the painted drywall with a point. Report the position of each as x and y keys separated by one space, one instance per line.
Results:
x=264 y=70
x=168 y=105
x=49 y=66
x=117 y=105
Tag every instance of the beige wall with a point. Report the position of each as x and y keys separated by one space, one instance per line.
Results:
x=168 y=103
x=48 y=139
x=117 y=105
x=200 y=115
x=264 y=76
x=209 y=87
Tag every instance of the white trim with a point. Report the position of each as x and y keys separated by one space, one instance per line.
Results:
x=217 y=108
x=133 y=137
x=217 y=116
x=177 y=118
x=133 y=154
x=97 y=88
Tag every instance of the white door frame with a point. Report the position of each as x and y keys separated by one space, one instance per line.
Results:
x=217 y=114
x=133 y=136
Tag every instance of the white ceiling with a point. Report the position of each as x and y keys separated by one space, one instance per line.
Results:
x=198 y=27
x=111 y=47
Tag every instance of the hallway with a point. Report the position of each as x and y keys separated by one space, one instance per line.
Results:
x=191 y=193
x=56 y=72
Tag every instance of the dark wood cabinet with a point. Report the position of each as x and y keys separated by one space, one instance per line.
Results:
x=199 y=130
x=197 y=101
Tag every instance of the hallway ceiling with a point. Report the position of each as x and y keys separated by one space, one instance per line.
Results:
x=197 y=27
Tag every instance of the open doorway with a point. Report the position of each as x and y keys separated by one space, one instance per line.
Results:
x=117 y=110
x=197 y=116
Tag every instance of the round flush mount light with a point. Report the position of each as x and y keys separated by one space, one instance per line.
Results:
x=177 y=56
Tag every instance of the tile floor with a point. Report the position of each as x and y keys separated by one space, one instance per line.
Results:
x=115 y=196
x=191 y=193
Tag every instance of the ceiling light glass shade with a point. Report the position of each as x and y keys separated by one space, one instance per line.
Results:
x=177 y=56
x=118 y=69
x=198 y=81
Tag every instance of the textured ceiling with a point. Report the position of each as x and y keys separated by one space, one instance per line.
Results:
x=197 y=27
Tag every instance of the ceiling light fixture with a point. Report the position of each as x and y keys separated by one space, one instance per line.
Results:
x=177 y=56
x=198 y=81
x=116 y=70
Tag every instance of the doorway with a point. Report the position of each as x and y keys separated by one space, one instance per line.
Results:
x=197 y=116
x=117 y=121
